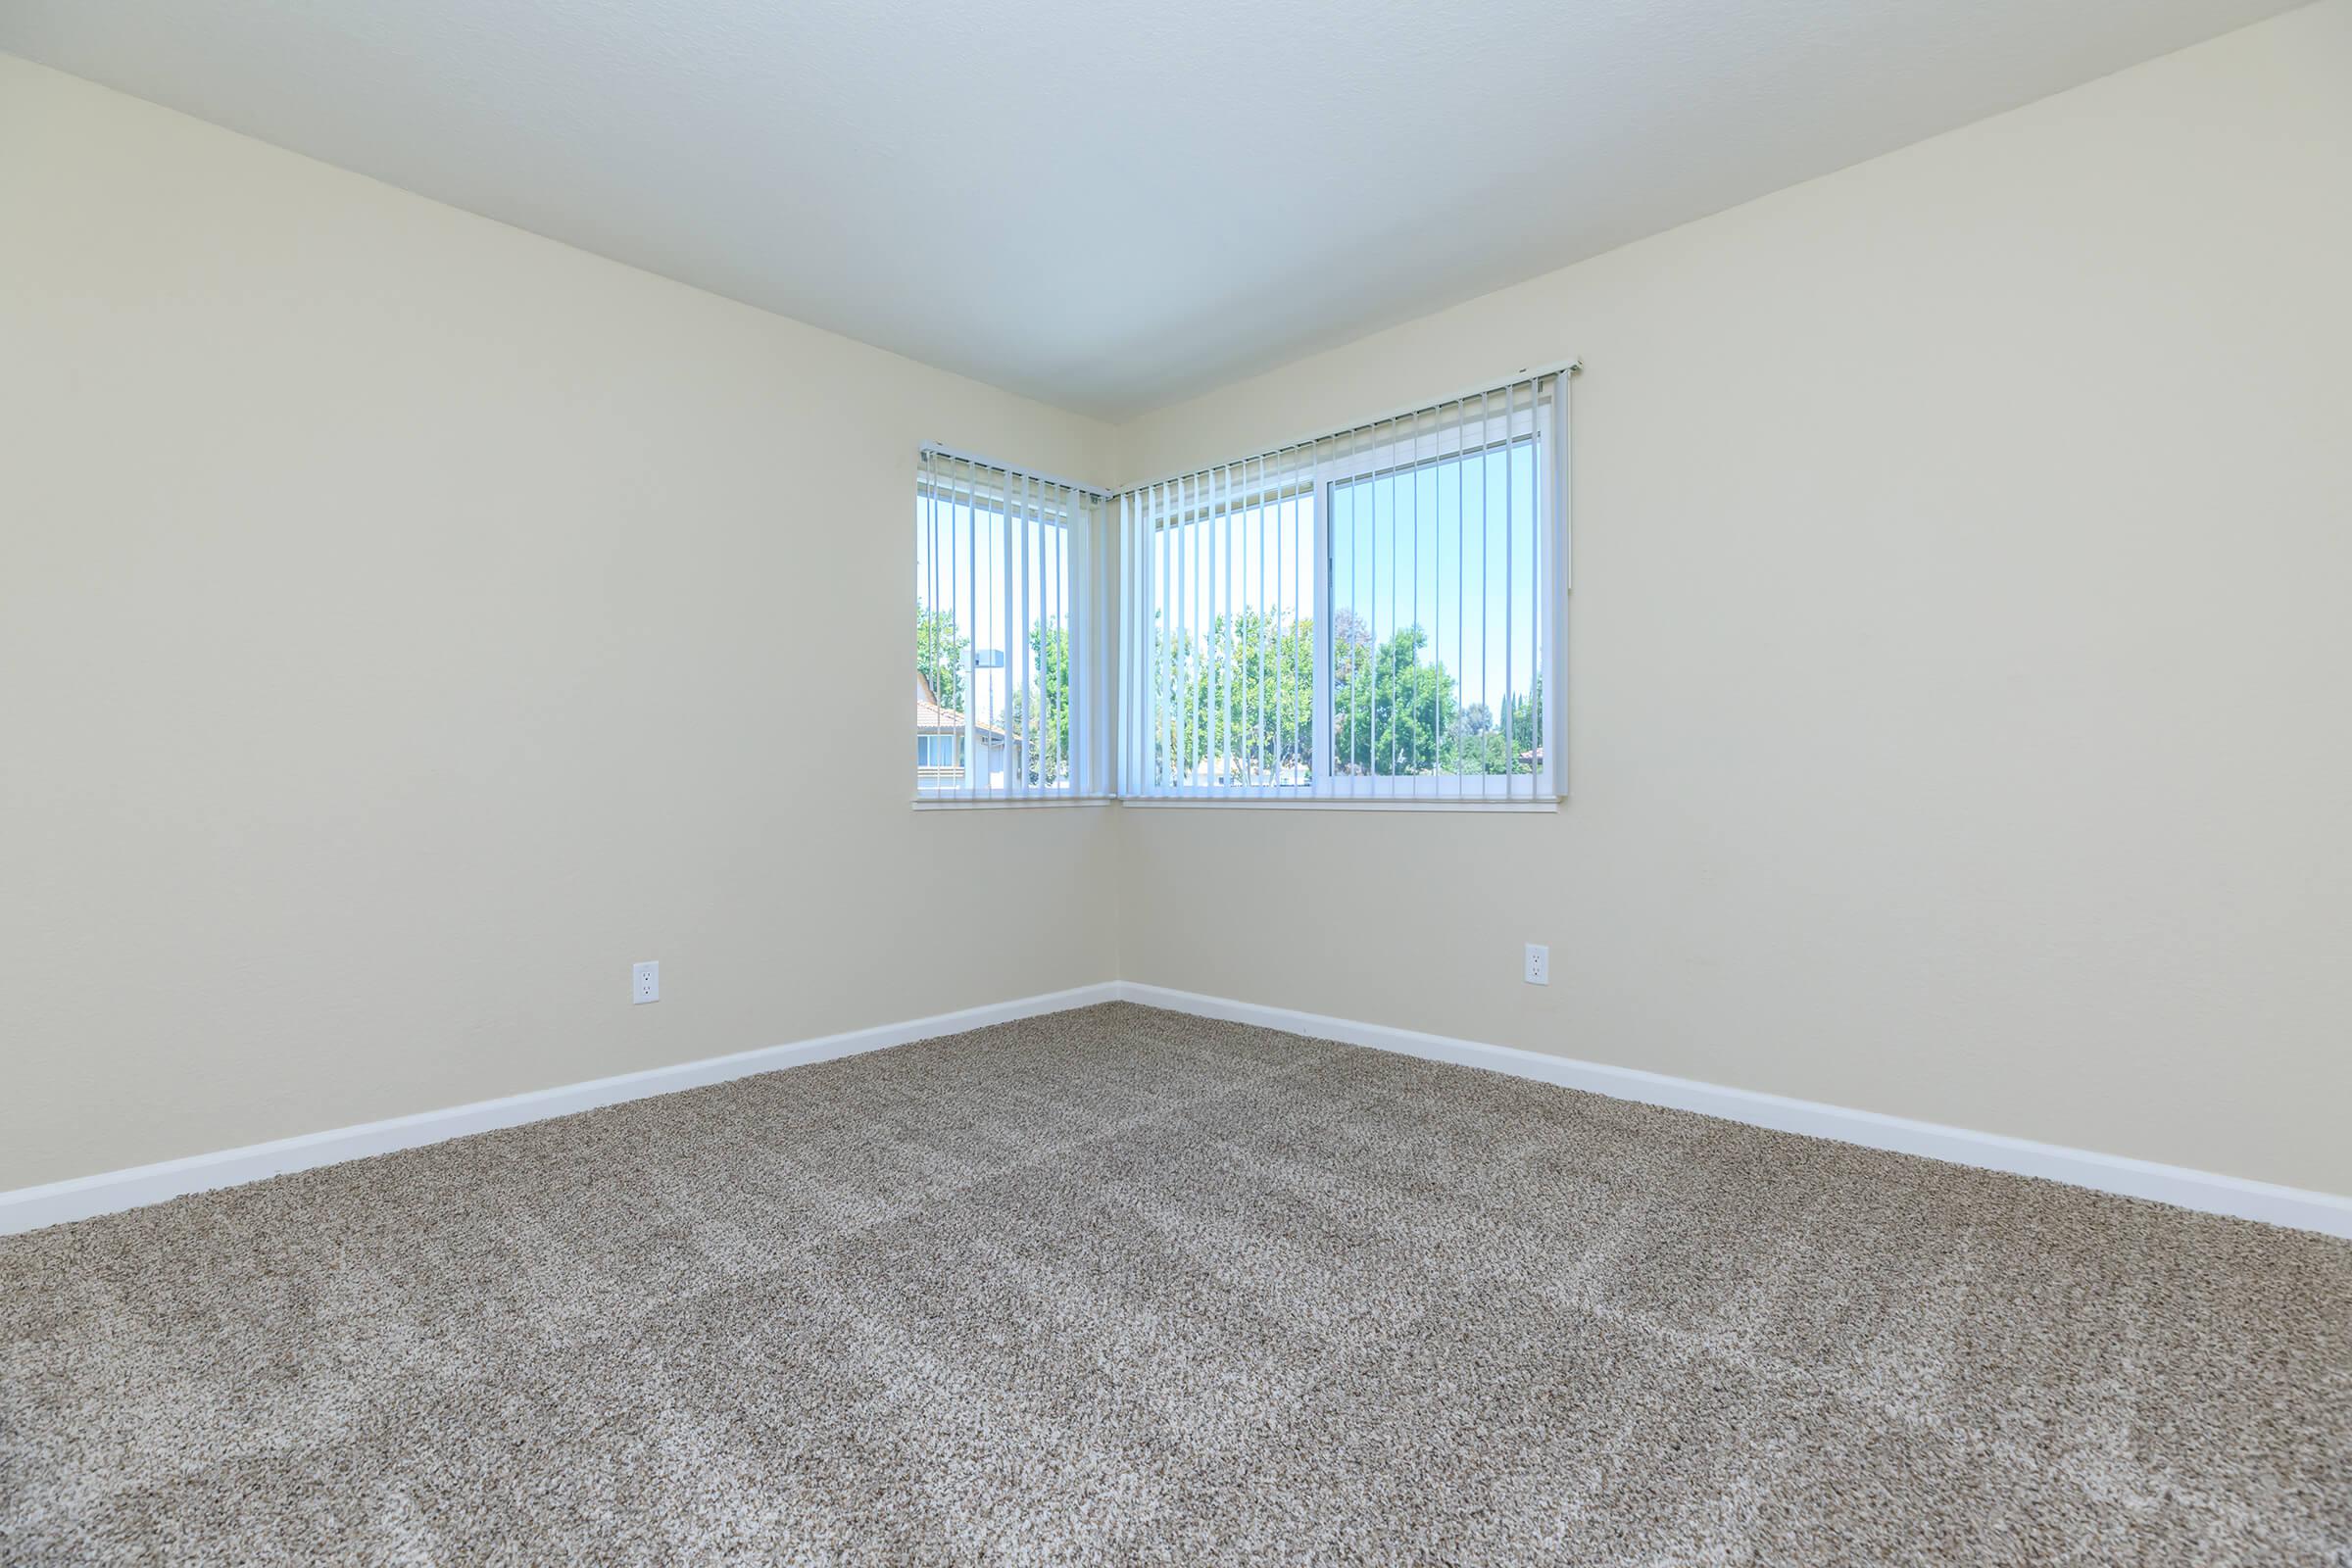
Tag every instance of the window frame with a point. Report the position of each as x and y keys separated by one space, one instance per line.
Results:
x=1010 y=500
x=1128 y=576
x=1501 y=432
x=1540 y=421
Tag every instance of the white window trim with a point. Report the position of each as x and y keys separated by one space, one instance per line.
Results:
x=1106 y=587
x=1341 y=802
x=1533 y=423
x=1018 y=489
x=1009 y=803
x=1545 y=421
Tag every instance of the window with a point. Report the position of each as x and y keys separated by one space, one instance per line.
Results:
x=1375 y=614
x=1001 y=563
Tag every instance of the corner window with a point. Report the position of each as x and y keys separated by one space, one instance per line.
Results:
x=1372 y=616
x=1000 y=557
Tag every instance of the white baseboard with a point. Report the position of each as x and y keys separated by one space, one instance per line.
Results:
x=31 y=1208
x=2212 y=1194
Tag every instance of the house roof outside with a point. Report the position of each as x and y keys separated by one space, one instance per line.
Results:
x=932 y=718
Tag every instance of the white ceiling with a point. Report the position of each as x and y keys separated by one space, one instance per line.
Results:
x=1107 y=206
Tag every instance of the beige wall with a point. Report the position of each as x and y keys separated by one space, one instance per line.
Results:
x=407 y=622
x=1961 y=663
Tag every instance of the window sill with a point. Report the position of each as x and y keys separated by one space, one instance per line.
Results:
x=1395 y=802
x=1546 y=805
x=1000 y=803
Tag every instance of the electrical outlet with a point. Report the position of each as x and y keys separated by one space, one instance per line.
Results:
x=645 y=981
x=1539 y=965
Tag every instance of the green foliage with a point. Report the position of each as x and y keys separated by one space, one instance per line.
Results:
x=1247 y=692
x=1387 y=708
x=939 y=650
x=1039 y=715
x=1476 y=745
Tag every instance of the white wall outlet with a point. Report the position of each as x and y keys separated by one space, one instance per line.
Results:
x=645 y=981
x=1539 y=965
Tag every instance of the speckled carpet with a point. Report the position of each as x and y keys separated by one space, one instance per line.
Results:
x=1124 y=1286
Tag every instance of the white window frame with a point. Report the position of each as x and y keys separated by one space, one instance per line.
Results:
x=1502 y=430
x=1113 y=551
x=1339 y=460
x=946 y=478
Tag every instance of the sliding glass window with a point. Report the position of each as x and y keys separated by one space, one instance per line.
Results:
x=1001 y=561
x=1371 y=615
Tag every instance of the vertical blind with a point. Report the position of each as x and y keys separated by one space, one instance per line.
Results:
x=1005 y=564
x=1375 y=614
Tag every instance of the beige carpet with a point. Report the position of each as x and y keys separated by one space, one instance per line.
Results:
x=1122 y=1286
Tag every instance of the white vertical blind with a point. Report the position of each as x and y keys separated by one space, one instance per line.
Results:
x=1006 y=566
x=1376 y=613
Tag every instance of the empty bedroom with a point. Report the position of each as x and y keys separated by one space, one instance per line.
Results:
x=1626 y=836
